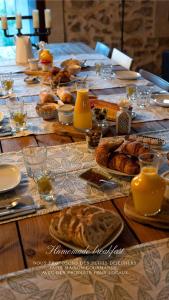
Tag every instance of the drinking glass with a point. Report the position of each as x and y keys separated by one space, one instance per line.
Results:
x=131 y=94
x=45 y=185
x=106 y=72
x=7 y=83
x=17 y=113
x=35 y=159
x=98 y=68
x=93 y=136
x=143 y=96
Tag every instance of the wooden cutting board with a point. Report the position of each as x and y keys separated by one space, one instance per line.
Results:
x=112 y=108
x=161 y=220
x=36 y=73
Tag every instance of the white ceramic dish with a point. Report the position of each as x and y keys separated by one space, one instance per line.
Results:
x=31 y=80
x=1 y=116
x=127 y=75
x=114 y=172
x=78 y=249
x=161 y=100
x=10 y=177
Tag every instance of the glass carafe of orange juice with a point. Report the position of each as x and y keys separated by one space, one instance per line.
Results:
x=82 y=118
x=148 y=187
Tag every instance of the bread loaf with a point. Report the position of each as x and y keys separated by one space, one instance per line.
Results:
x=85 y=226
x=122 y=163
x=135 y=148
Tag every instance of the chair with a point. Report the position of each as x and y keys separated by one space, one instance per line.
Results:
x=165 y=65
x=155 y=79
x=102 y=49
x=120 y=58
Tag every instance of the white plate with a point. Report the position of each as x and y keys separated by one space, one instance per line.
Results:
x=78 y=249
x=32 y=80
x=115 y=172
x=161 y=100
x=10 y=177
x=127 y=75
x=1 y=116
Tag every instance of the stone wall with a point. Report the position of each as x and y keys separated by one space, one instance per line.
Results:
x=146 y=26
x=93 y=20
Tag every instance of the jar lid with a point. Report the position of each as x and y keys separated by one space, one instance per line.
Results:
x=66 y=108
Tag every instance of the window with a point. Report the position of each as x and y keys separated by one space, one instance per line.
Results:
x=10 y=8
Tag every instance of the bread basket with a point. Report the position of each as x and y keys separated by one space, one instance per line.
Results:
x=46 y=115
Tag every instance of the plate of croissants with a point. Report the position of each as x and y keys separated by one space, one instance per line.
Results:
x=86 y=227
x=120 y=157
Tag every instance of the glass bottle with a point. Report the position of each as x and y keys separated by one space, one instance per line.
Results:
x=148 y=187
x=82 y=118
x=123 y=121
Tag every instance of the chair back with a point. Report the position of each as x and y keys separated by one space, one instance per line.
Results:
x=160 y=82
x=120 y=58
x=102 y=49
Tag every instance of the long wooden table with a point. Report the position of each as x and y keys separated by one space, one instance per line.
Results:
x=24 y=243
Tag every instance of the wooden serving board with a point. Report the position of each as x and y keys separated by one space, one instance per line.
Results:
x=112 y=108
x=161 y=220
x=36 y=73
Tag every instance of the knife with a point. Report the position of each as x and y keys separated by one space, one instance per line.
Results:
x=24 y=210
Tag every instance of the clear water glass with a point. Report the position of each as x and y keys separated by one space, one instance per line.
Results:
x=18 y=115
x=106 y=72
x=143 y=97
x=35 y=160
x=7 y=83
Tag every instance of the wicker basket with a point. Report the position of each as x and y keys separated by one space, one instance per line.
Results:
x=46 y=115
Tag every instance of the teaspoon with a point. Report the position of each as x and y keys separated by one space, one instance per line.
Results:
x=9 y=206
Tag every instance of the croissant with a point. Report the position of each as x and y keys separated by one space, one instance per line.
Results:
x=123 y=163
x=104 y=150
x=135 y=148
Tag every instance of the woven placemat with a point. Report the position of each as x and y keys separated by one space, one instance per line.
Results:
x=160 y=220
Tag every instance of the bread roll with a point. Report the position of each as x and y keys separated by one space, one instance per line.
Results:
x=64 y=95
x=135 y=148
x=45 y=97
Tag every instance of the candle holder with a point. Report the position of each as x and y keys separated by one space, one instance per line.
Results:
x=37 y=32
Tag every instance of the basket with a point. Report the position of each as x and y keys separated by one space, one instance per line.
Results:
x=46 y=115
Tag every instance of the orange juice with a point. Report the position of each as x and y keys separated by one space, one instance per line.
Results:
x=82 y=113
x=148 y=190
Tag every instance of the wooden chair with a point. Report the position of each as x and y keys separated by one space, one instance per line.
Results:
x=155 y=79
x=120 y=58
x=102 y=49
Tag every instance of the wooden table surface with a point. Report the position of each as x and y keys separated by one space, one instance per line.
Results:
x=25 y=243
